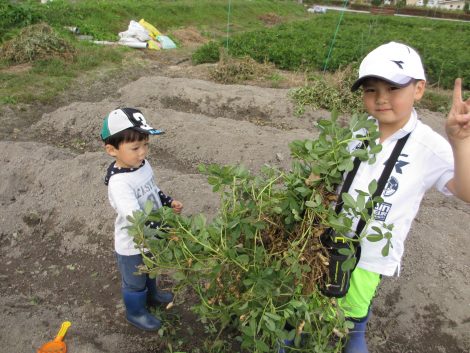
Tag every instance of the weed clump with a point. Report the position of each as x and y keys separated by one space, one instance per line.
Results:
x=332 y=94
x=36 y=42
x=208 y=53
x=234 y=70
x=270 y=19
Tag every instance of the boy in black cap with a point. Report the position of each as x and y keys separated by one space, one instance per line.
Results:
x=392 y=80
x=131 y=183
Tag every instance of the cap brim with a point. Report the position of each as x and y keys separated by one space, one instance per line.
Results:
x=149 y=131
x=361 y=80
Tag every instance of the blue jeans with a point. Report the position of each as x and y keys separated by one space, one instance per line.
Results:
x=128 y=266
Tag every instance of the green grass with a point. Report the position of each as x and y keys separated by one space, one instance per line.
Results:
x=47 y=78
x=104 y=19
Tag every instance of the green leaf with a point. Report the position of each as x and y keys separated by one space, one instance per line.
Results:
x=311 y=204
x=348 y=200
x=148 y=207
x=247 y=331
x=199 y=221
x=270 y=325
x=375 y=149
x=297 y=303
x=179 y=276
x=309 y=145
x=147 y=262
x=273 y=316
x=374 y=237
x=361 y=203
x=372 y=186
x=386 y=249
x=360 y=153
x=347 y=164
x=262 y=347
x=377 y=229
x=348 y=264
x=243 y=259
x=346 y=251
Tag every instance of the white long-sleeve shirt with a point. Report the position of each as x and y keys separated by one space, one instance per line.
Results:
x=128 y=190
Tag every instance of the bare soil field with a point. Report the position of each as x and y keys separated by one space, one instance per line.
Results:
x=56 y=235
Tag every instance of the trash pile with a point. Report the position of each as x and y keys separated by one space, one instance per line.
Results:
x=144 y=35
x=138 y=35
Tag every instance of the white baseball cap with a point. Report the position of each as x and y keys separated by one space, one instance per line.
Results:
x=393 y=62
x=124 y=118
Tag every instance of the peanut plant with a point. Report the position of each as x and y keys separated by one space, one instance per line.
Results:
x=259 y=264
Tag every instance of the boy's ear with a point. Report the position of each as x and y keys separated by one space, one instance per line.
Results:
x=419 y=89
x=111 y=150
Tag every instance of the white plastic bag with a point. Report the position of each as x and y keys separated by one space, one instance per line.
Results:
x=137 y=31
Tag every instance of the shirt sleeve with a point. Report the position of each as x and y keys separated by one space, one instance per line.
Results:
x=441 y=166
x=166 y=200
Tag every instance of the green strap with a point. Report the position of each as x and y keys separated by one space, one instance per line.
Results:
x=228 y=22
x=334 y=36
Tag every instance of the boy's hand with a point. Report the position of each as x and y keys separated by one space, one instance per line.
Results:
x=458 y=120
x=176 y=206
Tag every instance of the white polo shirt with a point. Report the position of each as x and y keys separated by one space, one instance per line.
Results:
x=425 y=161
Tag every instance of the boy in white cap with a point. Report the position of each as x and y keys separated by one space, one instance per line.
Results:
x=131 y=183
x=392 y=80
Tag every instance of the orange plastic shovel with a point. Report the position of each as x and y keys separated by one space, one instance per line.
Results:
x=57 y=345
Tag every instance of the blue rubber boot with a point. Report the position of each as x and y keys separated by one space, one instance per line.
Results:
x=286 y=343
x=357 y=337
x=157 y=296
x=136 y=311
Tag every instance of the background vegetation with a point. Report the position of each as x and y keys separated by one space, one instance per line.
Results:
x=294 y=40
x=104 y=20
x=306 y=45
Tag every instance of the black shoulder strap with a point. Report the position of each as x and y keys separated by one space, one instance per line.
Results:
x=389 y=165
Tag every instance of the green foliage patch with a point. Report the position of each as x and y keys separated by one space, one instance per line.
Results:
x=208 y=53
x=306 y=44
x=16 y=15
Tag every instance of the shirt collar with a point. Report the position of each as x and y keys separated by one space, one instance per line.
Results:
x=408 y=128
x=113 y=170
x=405 y=130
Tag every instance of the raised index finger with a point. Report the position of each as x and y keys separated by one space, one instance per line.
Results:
x=457 y=95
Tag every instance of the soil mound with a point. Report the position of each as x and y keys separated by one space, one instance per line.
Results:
x=56 y=239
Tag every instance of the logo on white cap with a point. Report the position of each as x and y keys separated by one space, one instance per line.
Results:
x=393 y=62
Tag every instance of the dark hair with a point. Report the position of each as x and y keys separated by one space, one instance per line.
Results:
x=128 y=135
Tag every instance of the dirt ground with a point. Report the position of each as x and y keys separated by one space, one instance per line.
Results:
x=56 y=236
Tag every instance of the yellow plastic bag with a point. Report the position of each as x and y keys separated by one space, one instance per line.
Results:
x=153 y=44
x=153 y=32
